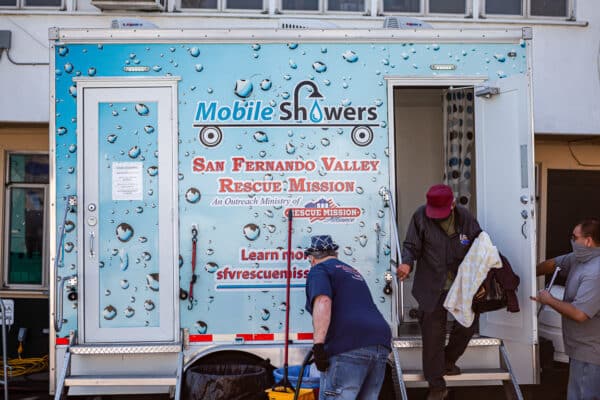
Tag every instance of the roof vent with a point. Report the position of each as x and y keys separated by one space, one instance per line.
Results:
x=298 y=23
x=405 y=23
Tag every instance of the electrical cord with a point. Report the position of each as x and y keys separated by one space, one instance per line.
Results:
x=25 y=366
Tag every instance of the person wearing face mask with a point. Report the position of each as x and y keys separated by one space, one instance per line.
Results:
x=439 y=236
x=580 y=308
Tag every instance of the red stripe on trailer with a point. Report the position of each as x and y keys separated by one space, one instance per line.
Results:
x=201 y=338
x=305 y=336
x=62 y=340
x=255 y=336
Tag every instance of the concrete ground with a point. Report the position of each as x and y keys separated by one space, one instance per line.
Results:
x=552 y=387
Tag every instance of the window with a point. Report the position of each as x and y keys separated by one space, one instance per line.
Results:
x=31 y=3
x=25 y=247
x=427 y=6
x=223 y=5
x=529 y=8
x=300 y=5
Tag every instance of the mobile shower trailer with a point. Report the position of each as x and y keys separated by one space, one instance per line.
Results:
x=178 y=154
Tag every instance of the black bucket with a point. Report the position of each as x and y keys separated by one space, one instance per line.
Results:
x=226 y=382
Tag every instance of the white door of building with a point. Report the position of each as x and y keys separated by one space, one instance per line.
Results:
x=505 y=208
x=127 y=210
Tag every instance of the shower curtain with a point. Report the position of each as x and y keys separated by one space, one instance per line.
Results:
x=459 y=145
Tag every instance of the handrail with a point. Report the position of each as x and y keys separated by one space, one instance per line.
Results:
x=58 y=311
x=4 y=380
x=389 y=199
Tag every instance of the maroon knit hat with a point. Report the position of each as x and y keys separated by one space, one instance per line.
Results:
x=439 y=201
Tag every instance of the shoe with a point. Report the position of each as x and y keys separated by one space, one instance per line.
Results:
x=452 y=369
x=437 y=394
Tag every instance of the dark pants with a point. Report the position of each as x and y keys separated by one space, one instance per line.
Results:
x=435 y=351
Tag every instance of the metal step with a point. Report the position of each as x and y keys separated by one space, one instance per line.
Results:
x=417 y=342
x=121 y=380
x=108 y=349
x=466 y=375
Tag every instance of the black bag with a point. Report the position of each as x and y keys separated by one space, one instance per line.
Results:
x=490 y=296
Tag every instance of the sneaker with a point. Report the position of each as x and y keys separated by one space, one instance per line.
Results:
x=451 y=369
x=437 y=394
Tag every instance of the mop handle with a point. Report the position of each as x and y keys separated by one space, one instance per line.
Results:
x=549 y=287
x=287 y=294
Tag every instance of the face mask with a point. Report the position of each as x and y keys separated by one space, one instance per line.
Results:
x=584 y=253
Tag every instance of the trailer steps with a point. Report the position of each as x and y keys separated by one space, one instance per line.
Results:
x=485 y=362
x=121 y=366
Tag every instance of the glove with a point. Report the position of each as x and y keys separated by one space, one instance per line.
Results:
x=321 y=359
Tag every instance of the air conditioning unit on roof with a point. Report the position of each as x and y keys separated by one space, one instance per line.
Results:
x=298 y=23
x=395 y=22
x=134 y=5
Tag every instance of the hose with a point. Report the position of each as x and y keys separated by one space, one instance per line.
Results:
x=25 y=366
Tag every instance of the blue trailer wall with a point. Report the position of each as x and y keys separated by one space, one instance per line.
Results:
x=238 y=202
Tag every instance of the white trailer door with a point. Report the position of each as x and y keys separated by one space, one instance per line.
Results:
x=505 y=196
x=128 y=256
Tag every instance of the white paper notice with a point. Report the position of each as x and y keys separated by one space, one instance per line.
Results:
x=127 y=181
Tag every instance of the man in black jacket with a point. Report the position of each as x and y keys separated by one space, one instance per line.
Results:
x=438 y=238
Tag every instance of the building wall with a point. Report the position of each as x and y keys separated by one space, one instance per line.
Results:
x=554 y=153
x=22 y=138
x=566 y=71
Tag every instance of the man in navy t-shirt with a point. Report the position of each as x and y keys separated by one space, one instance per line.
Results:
x=351 y=337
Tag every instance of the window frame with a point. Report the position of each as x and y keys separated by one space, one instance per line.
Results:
x=222 y=8
x=320 y=9
x=526 y=14
x=8 y=190
x=21 y=5
x=424 y=10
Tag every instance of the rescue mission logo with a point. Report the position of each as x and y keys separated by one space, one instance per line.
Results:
x=212 y=116
x=326 y=210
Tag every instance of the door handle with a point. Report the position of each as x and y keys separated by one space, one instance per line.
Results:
x=92 y=237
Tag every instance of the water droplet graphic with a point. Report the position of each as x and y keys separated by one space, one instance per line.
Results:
x=134 y=152
x=251 y=231
x=142 y=109
x=404 y=56
x=346 y=102
x=111 y=138
x=110 y=312
x=152 y=170
x=243 y=88
x=149 y=305
x=91 y=71
x=325 y=142
x=292 y=64
x=148 y=129
x=157 y=68
x=146 y=256
x=350 y=56
x=194 y=52
x=107 y=292
x=73 y=91
x=316 y=115
x=69 y=226
x=266 y=84
x=201 y=327
x=362 y=240
x=124 y=284
x=152 y=281
x=261 y=137
x=68 y=68
x=61 y=131
x=124 y=232
x=359 y=190
x=319 y=67
x=63 y=51
x=256 y=47
x=129 y=312
x=385 y=61
x=123 y=260
x=69 y=247
x=500 y=57
x=211 y=267
x=348 y=250
x=292 y=46
x=290 y=148
x=192 y=195
x=265 y=314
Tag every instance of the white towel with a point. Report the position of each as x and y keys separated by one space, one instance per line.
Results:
x=481 y=257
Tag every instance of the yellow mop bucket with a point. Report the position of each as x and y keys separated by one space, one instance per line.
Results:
x=281 y=393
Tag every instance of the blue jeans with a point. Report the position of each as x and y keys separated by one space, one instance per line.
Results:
x=355 y=375
x=584 y=381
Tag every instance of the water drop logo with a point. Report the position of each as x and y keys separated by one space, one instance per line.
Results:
x=316 y=115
